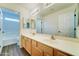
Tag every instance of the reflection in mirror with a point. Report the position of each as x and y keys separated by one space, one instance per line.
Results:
x=32 y=24
x=28 y=25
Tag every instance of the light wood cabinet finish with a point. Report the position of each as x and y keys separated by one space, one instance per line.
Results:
x=34 y=43
x=23 y=42
x=47 y=51
x=36 y=48
x=28 y=46
x=26 y=43
x=60 y=53
x=36 y=51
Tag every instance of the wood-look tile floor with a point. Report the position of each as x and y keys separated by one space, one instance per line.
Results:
x=13 y=50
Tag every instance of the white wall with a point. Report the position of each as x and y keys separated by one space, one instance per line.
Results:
x=51 y=22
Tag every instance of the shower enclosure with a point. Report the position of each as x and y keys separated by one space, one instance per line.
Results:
x=9 y=26
x=1 y=45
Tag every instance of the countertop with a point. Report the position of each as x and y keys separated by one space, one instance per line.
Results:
x=65 y=44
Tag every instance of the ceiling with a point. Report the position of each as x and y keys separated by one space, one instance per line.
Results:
x=27 y=7
x=9 y=5
x=31 y=6
x=54 y=8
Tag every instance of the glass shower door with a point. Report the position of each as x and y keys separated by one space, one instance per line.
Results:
x=10 y=26
x=38 y=24
x=1 y=17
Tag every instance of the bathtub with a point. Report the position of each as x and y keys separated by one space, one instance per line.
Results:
x=10 y=38
x=1 y=45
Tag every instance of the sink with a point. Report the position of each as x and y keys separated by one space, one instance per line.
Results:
x=52 y=37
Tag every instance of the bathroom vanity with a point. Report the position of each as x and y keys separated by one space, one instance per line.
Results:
x=43 y=45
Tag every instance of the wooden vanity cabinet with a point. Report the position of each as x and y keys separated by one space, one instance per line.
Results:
x=47 y=51
x=36 y=51
x=36 y=48
x=26 y=43
x=28 y=46
x=23 y=42
x=39 y=49
x=60 y=53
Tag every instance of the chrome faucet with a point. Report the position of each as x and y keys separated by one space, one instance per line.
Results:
x=52 y=37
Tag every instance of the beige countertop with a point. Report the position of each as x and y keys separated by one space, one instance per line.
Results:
x=65 y=44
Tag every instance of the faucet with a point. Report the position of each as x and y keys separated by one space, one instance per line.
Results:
x=52 y=37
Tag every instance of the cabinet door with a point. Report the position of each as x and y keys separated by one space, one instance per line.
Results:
x=48 y=51
x=23 y=41
x=34 y=43
x=28 y=45
x=41 y=46
x=59 y=53
x=47 y=54
x=36 y=51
